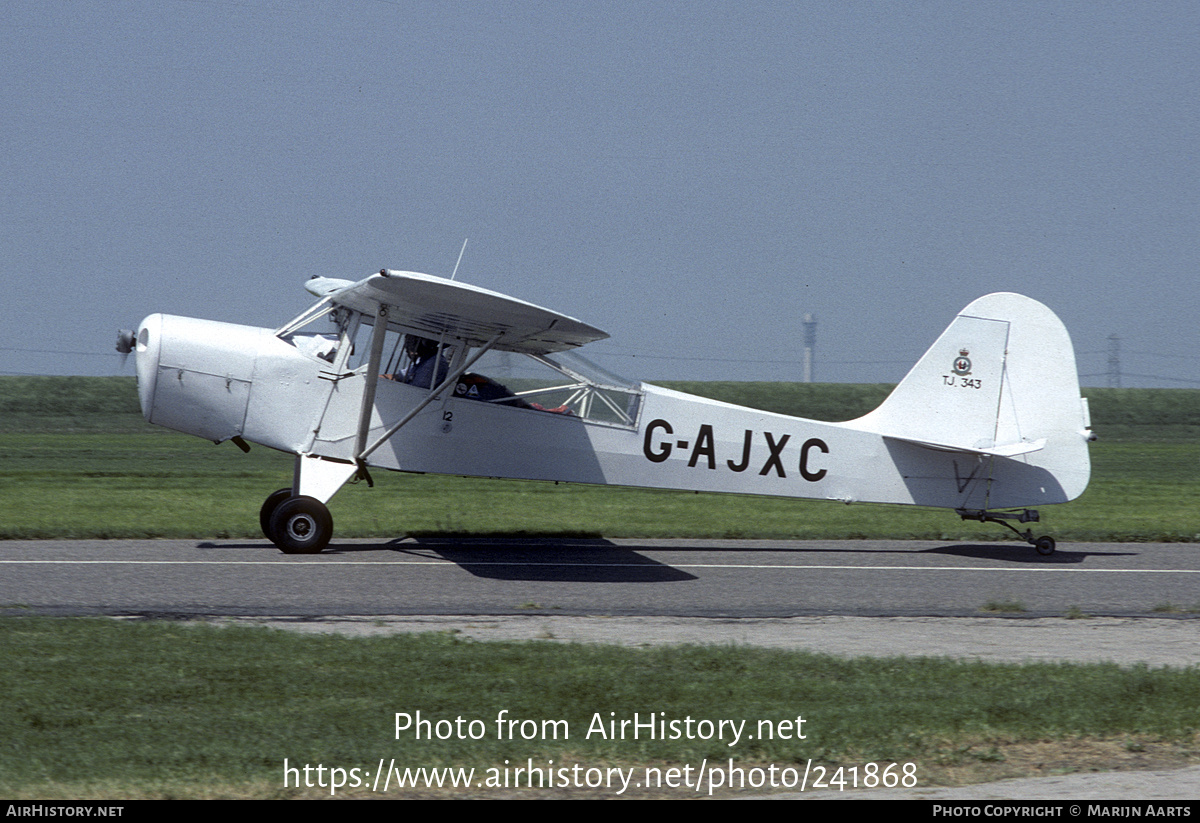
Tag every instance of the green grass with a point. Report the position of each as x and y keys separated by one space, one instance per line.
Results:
x=101 y=708
x=84 y=464
x=1002 y=607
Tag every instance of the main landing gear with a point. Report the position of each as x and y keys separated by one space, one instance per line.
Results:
x=296 y=524
x=1044 y=544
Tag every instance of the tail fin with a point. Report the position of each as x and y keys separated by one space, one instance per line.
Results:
x=999 y=382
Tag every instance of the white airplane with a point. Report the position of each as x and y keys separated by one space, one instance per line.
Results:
x=379 y=374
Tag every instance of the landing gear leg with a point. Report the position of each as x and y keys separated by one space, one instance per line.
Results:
x=1045 y=544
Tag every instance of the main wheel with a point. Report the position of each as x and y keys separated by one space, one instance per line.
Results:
x=301 y=525
x=1044 y=546
x=268 y=508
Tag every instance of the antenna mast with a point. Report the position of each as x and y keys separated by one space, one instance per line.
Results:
x=460 y=254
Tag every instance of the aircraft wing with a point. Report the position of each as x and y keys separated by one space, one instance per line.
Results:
x=431 y=306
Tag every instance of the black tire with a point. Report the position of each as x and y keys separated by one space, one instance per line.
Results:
x=268 y=508
x=1045 y=546
x=301 y=525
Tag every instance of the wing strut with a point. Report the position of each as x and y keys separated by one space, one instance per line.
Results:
x=378 y=333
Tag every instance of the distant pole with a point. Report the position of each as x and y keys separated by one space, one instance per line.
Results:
x=1114 y=361
x=810 y=343
x=504 y=365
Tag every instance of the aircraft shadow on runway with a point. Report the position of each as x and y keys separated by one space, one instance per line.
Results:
x=582 y=561
x=597 y=560
x=1020 y=553
x=566 y=560
x=599 y=550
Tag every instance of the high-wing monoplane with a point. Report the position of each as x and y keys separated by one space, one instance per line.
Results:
x=416 y=373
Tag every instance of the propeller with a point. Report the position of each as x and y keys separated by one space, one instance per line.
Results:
x=126 y=339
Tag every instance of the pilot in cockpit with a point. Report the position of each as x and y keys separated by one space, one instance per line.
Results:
x=425 y=368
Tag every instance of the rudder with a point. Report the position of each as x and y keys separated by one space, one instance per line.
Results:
x=999 y=381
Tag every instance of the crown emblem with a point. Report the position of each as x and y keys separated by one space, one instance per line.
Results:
x=962 y=363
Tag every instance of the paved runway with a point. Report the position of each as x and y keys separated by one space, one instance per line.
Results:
x=678 y=578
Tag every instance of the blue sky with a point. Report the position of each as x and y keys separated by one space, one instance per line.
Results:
x=691 y=177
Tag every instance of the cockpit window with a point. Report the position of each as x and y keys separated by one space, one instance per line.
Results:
x=318 y=340
x=563 y=383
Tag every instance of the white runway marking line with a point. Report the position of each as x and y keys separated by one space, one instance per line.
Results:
x=334 y=563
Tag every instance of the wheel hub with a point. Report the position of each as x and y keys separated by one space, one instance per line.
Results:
x=301 y=526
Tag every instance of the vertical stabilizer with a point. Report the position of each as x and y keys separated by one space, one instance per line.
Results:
x=1000 y=382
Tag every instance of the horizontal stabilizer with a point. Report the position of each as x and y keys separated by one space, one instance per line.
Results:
x=1009 y=450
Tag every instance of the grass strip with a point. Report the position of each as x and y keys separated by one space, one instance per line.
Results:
x=102 y=708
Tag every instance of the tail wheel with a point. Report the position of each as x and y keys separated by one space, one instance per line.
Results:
x=268 y=508
x=301 y=525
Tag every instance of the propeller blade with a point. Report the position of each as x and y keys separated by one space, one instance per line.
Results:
x=126 y=339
